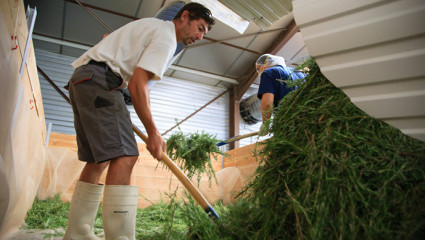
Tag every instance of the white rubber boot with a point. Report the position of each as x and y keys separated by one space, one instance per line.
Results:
x=119 y=212
x=82 y=212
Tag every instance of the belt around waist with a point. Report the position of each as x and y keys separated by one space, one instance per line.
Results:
x=93 y=62
x=103 y=64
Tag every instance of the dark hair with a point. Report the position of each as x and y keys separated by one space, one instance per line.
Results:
x=197 y=11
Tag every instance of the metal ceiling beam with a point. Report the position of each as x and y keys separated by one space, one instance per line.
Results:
x=234 y=118
x=163 y=3
x=85 y=5
x=205 y=74
x=103 y=9
x=138 y=7
x=231 y=45
x=63 y=24
x=85 y=47
x=55 y=40
x=94 y=16
x=234 y=38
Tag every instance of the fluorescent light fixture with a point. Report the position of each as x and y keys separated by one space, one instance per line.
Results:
x=225 y=15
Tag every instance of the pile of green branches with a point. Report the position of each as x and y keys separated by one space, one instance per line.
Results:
x=330 y=171
x=193 y=153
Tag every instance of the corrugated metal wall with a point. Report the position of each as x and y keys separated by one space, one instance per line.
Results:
x=373 y=50
x=56 y=110
x=171 y=99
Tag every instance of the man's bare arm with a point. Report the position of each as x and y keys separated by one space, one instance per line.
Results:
x=139 y=91
x=267 y=105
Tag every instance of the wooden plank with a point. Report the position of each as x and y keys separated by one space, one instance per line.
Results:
x=18 y=19
x=30 y=78
x=243 y=151
x=62 y=140
x=36 y=89
x=7 y=16
x=155 y=181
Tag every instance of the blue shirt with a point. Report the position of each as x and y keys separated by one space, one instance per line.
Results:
x=272 y=81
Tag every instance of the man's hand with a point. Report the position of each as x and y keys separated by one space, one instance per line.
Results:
x=156 y=145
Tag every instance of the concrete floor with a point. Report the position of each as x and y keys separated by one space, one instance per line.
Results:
x=39 y=234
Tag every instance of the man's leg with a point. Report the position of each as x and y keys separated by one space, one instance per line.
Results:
x=119 y=172
x=103 y=127
x=85 y=202
x=120 y=200
x=92 y=171
x=87 y=193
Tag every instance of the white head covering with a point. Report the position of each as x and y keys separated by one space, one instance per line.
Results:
x=267 y=60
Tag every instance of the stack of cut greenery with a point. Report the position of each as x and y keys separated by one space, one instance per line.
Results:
x=330 y=171
x=193 y=153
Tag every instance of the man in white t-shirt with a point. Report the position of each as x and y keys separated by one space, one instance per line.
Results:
x=129 y=57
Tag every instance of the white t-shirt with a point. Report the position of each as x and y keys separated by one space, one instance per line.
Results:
x=148 y=43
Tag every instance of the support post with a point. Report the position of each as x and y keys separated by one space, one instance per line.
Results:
x=233 y=117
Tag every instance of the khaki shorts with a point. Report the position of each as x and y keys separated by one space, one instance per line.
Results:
x=101 y=119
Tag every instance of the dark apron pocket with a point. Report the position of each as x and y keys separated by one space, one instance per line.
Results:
x=81 y=77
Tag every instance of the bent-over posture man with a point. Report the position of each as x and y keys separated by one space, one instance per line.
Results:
x=273 y=74
x=128 y=57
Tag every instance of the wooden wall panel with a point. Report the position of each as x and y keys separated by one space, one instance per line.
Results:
x=23 y=132
x=155 y=181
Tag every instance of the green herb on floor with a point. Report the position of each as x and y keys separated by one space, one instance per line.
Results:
x=159 y=221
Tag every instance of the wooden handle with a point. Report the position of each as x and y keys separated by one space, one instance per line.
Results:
x=234 y=139
x=200 y=199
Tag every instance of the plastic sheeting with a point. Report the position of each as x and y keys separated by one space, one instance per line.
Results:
x=239 y=168
x=229 y=184
x=155 y=181
x=62 y=170
x=22 y=151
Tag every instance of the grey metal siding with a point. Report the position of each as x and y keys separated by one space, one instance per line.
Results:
x=171 y=100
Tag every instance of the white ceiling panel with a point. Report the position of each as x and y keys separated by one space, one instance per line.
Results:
x=69 y=28
x=147 y=7
x=85 y=28
x=128 y=7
